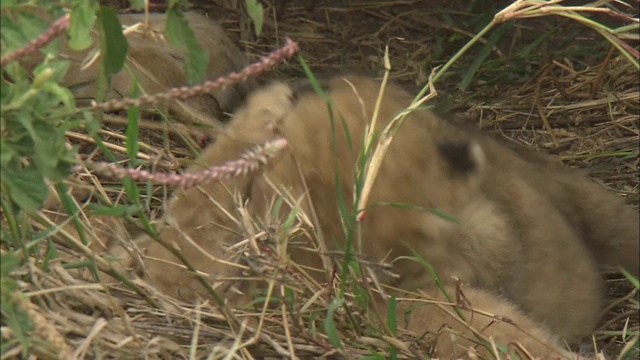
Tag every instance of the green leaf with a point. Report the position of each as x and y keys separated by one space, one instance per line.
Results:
x=131 y=190
x=256 y=13
x=137 y=4
x=470 y=74
x=26 y=187
x=115 y=44
x=632 y=279
x=7 y=91
x=82 y=21
x=361 y=295
x=49 y=143
x=6 y=153
x=180 y=35
x=31 y=26
x=17 y=320
x=61 y=94
x=291 y=218
x=4 y=3
x=61 y=171
x=444 y=216
x=373 y=356
x=392 y=311
x=276 y=207
x=52 y=254
x=10 y=261
x=20 y=141
x=504 y=350
x=115 y=211
x=289 y=296
x=12 y=35
x=58 y=68
x=330 y=324
x=92 y=123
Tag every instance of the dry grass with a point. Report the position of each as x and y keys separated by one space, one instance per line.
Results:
x=575 y=99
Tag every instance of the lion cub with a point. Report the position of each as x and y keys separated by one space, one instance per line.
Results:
x=520 y=251
x=158 y=66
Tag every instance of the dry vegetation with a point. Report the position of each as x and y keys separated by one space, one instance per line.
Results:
x=548 y=82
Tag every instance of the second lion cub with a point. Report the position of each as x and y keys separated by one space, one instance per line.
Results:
x=519 y=249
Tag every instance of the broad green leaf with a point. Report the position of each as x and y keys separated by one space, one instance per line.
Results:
x=7 y=91
x=4 y=3
x=6 y=153
x=20 y=140
x=26 y=187
x=82 y=21
x=59 y=69
x=49 y=143
x=61 y=171
x=180 y=35
x=256 y=13
x=115 y=44
x=9 y=262
x=31 y=25
x=61 y=94
x=12 y=35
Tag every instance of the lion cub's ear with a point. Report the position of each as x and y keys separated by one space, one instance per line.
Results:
x=463 y=158
x=463 y=164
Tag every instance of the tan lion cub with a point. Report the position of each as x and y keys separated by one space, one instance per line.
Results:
x=519 y=253
x=158 y=66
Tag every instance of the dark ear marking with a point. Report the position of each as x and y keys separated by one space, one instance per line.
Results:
x=458 y=157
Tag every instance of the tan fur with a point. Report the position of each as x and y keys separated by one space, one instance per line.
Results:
x=504 y=324
x=603 y=221
x=194 y=212
x=518 y=247
x=158 y=67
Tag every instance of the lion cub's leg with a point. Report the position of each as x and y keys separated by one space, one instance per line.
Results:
x=200 y=220
x=608 y=226
x=485 y=314
x=611 y=228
